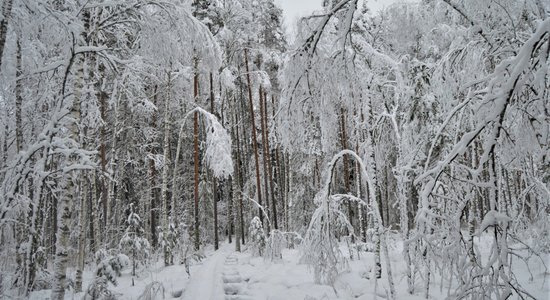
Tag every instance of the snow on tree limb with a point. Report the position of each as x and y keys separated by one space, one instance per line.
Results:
x=218 y=145
x=493 y=218
x=509 y=73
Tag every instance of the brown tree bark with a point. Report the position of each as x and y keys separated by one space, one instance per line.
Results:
x=254 y=139
x=267 y=157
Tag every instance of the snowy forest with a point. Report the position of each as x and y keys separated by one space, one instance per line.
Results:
x=195 y=149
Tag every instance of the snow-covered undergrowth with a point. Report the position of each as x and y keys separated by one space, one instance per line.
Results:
x=292 y=280
x=249 y=276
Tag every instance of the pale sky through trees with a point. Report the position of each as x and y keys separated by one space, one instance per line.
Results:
x=293 y=9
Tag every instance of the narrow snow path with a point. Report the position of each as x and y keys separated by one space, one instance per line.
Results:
x=206 y=282
x=233 y=284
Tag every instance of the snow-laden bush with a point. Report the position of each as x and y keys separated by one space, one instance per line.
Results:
x=275 y=245
x=98 y=290
x=110 y=266
x=133 y=243
x=152 y=291
x=320 y=248
x=257 y=237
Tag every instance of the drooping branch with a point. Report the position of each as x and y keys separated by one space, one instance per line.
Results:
x=503 y=88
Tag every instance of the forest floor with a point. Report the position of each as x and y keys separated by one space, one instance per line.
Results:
x=228 y=275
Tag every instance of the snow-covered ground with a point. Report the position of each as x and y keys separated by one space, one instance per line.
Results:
x=226 y=274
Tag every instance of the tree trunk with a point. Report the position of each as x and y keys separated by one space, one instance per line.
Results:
x=104 y=191
x=6 y=16
x=254 y=139
x=68 y=198
x=18 y=97
x=81 y=235
x=196 y=158
x=153 y=183
x=265 y=156
x=269 y=165
x=371 y=165
x=168 y=257
x=234 y=187
x=214 y=181
x=239 y=179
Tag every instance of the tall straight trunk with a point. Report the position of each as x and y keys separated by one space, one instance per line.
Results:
x=196 y=158
x=104 y=196
x=254 y=139
x=283 y=174
x=287 y=179
x=280 y=174
x=360 y=138
x=472 y=207
x=81 y=235
x=18 y=97
x=62 y=251
x=113 y=184
x=239 y=172
x=115 y=170
x=4 y=162
x=196 y=176
x=371 y=165
x=270 y=165
x=153 y=194
x=230 y=224
x=168 y=258
x=53 y=226
x=212 y=108
x=236 y=199
x=93 y=220
x=265 y=155
x=234 y=187
x=215 y=211
x=362 y=227
x=214 y=181
x=6 y=16
x=23 y=264
x=230 y=215
x=152 y=203
x=240 y=109
x=68 y=198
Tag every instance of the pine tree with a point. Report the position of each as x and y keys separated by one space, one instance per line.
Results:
x=133 y=242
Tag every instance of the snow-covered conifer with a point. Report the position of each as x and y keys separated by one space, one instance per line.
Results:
x=133 y=242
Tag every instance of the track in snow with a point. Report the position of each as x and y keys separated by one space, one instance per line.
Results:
x=217 y=279
x=233 y=284
x=206 y=282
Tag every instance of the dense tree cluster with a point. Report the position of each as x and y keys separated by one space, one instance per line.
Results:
x=133 y=129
